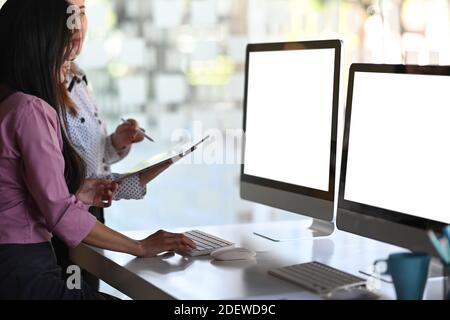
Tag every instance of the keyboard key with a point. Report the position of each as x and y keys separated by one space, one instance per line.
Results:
x=206 y=243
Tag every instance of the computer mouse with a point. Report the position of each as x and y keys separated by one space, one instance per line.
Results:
x=233 y=253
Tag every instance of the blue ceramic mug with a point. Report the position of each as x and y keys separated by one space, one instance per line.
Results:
x=409 y=272
x=447 y=282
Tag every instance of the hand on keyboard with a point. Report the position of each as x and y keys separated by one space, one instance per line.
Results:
x=162 y=241
x=205 y=243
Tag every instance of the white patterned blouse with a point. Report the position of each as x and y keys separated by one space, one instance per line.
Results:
x=88 y=134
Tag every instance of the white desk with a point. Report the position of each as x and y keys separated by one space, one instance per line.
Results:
x=175 y=277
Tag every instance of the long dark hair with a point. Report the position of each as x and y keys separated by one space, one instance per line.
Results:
x=35 y=41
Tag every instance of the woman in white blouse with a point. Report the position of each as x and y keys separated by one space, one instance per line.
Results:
x=88 y=135
x=87 y=129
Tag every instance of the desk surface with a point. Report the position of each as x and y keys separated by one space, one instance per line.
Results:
x=172 y=276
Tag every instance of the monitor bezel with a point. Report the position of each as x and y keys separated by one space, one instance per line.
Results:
x=301 y=45
x=365 y=209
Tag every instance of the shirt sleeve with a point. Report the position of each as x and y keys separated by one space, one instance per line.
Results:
x=39 y=139
x=111 y=154
x=129 y=188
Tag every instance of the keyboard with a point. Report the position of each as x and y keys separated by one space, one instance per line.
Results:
x=317 y=277
x=205 y=243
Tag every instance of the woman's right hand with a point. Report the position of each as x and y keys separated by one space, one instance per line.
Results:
x=162 y=241
x=97 y=192
x=103 y=237
x=126 y=134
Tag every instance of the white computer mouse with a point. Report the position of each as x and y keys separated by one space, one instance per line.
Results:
x=233 y=253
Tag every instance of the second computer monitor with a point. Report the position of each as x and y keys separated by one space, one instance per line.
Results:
x=290 y=125
x=395 y=178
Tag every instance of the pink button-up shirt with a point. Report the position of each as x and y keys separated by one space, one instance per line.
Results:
x=34 y=198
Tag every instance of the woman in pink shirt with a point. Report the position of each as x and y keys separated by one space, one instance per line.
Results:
x=39 y=170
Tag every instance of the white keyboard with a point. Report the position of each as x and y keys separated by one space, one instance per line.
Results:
x=317 y=277
x=206 y=243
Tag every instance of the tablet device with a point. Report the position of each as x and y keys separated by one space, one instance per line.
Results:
x=169 y=157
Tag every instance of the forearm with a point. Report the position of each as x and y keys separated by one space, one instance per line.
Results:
x=129 y=188
x=103 y=237
x=112 y=154
x=146 y=177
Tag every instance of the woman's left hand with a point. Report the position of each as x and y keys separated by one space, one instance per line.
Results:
x=126 y=134
x=97 y=192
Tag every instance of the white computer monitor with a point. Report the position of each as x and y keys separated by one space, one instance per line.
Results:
x=290 y=124
x=395 y=177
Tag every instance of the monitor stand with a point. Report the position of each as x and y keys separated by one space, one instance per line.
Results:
x=280 y=231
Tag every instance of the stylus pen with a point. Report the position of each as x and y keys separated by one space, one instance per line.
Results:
x=372 y=276
x=141 y=131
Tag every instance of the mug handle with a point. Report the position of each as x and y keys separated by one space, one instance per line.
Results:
x=385 y=272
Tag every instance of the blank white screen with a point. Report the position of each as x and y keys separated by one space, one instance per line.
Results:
x=289 y=116
x=399 y=146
